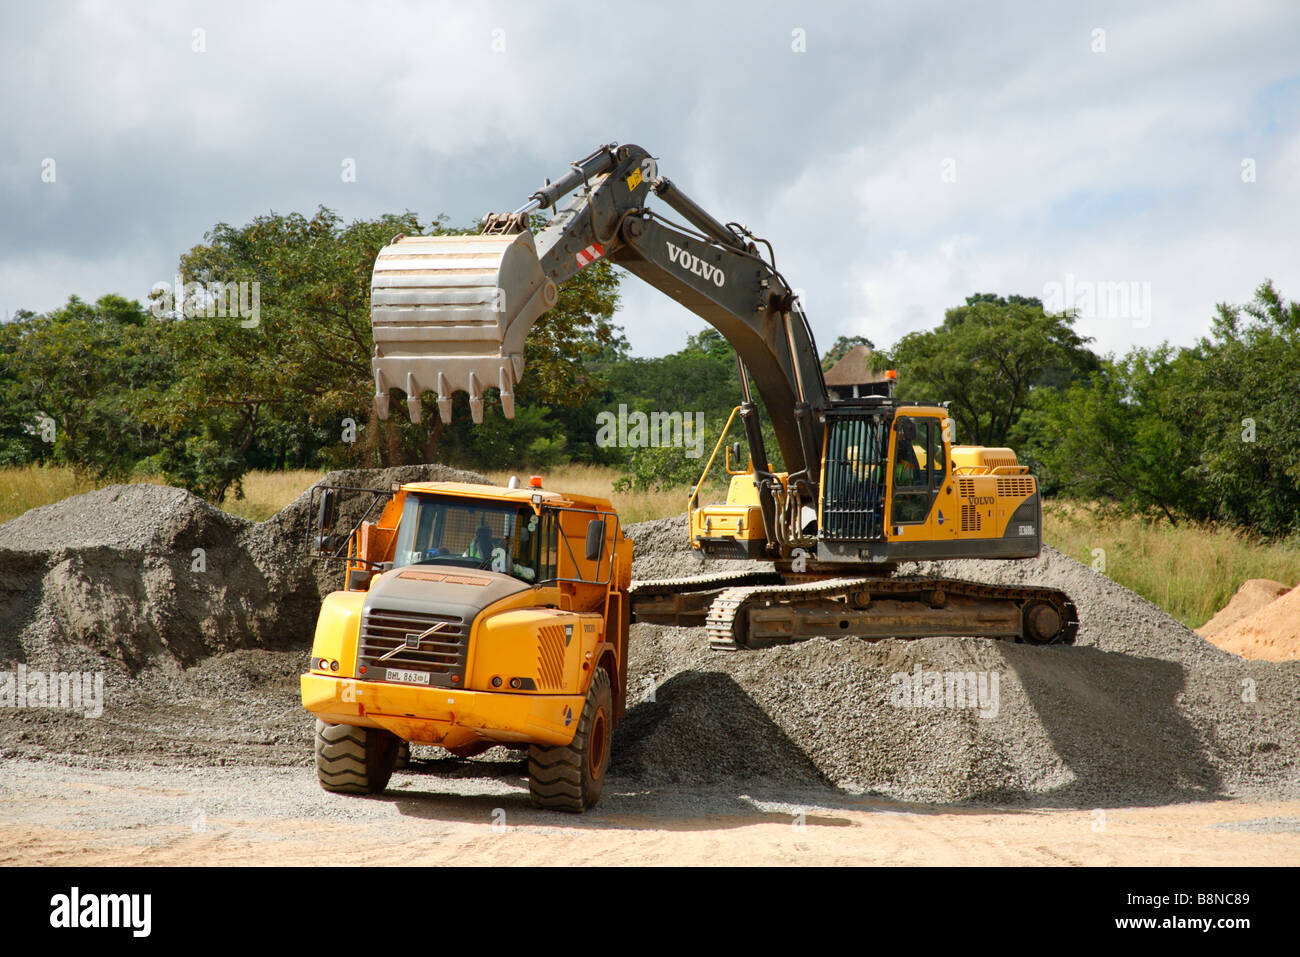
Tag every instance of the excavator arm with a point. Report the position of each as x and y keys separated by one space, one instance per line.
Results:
x=451 y=313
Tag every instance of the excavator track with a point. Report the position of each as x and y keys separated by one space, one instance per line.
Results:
x=686 y=601
x=761 y=615
x=690 y=583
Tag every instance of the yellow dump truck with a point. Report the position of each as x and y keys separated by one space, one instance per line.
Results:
x=474 y=616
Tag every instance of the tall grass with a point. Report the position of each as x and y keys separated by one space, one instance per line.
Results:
x=1189 y=570
x=265 y=493
x=32 y=486
x=598 y=481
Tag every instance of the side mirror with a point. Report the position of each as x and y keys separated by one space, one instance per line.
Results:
x=326 y=513
x=595 y=539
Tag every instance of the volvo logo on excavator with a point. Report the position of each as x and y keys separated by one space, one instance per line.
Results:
x=695 y=264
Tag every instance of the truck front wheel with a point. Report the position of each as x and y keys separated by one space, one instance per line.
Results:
x=570 y=777
x=354 y=760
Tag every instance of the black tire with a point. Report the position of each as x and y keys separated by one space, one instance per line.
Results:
x=570 y=777
x=353 y=760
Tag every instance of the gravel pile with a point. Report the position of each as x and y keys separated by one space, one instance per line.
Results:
x=139 y=573
x=199 y=654
x=201 y=669
x=1141 y=710
x=132 y=573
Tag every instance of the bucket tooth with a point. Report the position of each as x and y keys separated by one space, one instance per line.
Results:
x=450 y=313
x=444 y=399
x=381 y=396
x=412 y=398
x=507 y=392
x=475 y=399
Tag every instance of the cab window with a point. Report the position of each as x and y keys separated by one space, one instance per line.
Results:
x=916 y=469
x=438 y=530
x=547 y=545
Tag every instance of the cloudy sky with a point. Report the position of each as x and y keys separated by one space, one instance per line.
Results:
x=1140 y=162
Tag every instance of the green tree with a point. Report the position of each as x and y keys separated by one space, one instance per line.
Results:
x=1207 y=432
x=986 y=358
x=288 y=383
x=74 y=373
x=1240 y=402
x=1120 y=436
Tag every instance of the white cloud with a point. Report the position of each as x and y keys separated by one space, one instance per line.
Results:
x=1117 y=166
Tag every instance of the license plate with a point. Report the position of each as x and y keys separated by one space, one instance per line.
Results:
x=409 y=677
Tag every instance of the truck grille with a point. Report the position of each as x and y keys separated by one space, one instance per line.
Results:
x=550 y=657
x=440 y=654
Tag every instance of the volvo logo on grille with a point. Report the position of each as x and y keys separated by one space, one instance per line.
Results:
x=412 y=641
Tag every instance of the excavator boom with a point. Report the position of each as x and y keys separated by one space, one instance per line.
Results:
x=867 y=481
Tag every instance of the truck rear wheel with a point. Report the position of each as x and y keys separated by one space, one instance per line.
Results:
x=354 y=760
x=570 y=777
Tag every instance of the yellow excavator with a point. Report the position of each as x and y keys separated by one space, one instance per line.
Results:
x=867 y=482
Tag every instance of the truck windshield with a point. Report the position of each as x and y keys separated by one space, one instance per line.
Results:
x=448 y=531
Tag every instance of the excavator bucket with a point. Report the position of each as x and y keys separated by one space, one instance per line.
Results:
x=451 y=313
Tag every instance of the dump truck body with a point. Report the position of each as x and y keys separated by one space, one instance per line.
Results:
x=478 y=616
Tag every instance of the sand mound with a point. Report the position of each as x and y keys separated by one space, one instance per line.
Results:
x=1250 y=598
x=1271 y=633
x=1141 y=710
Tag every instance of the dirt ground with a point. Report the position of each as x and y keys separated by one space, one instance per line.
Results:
x=57 y=815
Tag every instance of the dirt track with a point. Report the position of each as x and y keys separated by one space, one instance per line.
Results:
x=279 y=816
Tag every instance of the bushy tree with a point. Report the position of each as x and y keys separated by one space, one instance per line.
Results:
x=1207 y=432
x=70 y=381
x=1240 y=402
x=1117 y=437
x=297 y=381
x=986 y=358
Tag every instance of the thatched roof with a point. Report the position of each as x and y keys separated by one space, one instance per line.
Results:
x=854 y=369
